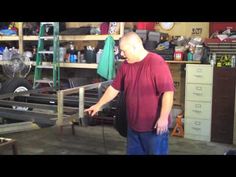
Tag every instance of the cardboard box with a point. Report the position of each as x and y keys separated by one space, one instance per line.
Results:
x=178 y=75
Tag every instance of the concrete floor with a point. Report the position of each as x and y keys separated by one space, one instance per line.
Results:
x=89 y=141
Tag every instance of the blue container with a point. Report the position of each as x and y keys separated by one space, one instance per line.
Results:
x=72 y=58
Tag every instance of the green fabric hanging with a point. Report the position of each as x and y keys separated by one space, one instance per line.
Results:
x=106 y=65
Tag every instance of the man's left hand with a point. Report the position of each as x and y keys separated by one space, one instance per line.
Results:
x=161 y=125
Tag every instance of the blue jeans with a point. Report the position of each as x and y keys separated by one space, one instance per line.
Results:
x=147 y=143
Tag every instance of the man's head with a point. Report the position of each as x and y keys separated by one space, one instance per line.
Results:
x=131 y=47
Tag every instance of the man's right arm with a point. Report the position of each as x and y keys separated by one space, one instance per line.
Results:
x=109 y=95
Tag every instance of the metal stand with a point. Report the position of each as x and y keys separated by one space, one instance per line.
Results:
x=6 y=142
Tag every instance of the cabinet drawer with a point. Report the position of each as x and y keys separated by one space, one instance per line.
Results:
x=201 y=110
x=197 y=137
x=197 y=126
x=199 y=74
x=198 y=92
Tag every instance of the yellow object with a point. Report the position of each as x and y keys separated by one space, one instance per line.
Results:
x=14 y=24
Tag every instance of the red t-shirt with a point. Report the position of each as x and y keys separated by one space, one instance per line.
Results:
x=143 y=84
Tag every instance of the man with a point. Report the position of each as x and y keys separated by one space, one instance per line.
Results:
x=148 y=87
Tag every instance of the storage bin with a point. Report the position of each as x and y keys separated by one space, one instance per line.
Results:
x=90 y=56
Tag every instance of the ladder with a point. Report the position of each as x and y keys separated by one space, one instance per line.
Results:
x=55 y=66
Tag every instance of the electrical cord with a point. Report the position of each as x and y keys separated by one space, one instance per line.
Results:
x=103 y=137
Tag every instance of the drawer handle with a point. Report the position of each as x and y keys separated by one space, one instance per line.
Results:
x=198 y=75
x=199 y=70
x=198 y=88
x=198 y=94
x=197 y=123
x=198 y=105
x=197 y=111
x=196 y=128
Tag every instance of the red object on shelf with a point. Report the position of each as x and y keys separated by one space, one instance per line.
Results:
x=146 y=26
x=221 y=26
x=178 y=56
x=104 y=28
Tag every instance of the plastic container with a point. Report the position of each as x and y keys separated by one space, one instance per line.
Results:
x=90 y=56
x=213 y=59
x=198 y=52
x=62 y=54
x=6 y=54
x=190 y=56
x=79 y=57
x=154 y=36
x=178 y=56
x=71 y=58
x=233 y=61
x=98 y=55
x=146 y=26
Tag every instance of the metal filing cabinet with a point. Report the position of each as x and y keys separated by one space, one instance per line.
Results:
x=198 y=101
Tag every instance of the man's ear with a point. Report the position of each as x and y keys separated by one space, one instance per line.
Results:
x=134 y=48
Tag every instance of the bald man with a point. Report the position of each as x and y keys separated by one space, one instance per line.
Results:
x=148 y=87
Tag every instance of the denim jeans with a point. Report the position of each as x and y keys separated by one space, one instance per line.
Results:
x=147 y=143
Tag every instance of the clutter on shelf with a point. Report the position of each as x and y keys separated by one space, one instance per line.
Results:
x=178 y=48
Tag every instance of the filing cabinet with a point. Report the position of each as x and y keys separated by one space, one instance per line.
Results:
x=198 y=102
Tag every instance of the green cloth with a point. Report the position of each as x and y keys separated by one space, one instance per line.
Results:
x=106 y=65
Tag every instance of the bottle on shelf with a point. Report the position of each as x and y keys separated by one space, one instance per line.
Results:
x=190 y=56
x=34 y=52
x=233 y=61
x=6 y=54
x=62 y=53
x=79 y=56
x=213 y=59
x=72 y=53
x=98 y=55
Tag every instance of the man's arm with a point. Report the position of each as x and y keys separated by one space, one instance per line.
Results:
x=109 y=95
x=167 y=103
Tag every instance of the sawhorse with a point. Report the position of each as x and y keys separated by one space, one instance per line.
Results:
x=6 y=142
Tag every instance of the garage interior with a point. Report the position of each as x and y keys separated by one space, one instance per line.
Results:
x=201 y=58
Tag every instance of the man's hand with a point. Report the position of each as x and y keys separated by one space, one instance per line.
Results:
x=161 y=125
x=109 y=95
x=93 y=110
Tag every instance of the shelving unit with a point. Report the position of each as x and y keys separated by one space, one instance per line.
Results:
x=72 y=37
x=183 y=62
x=22 y=38
x=72 y=65
x=9 y=38
x=94 y=65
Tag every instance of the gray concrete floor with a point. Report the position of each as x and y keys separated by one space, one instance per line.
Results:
x=89 y=141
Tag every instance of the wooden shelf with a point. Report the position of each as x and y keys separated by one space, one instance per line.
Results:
x=72 y=65
x=30 y=38
x=21 y=38
x=183 y=62
x=94 y=65
x=87 y=37
x=75 y=37
x=175 y=62
x=9 y=38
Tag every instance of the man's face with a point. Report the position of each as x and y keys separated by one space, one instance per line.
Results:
x=127 y=51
